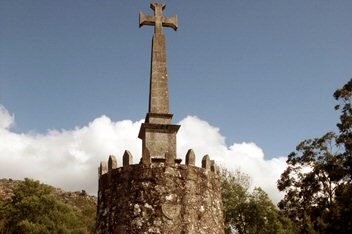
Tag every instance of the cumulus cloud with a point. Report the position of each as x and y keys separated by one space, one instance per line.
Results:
x=6 y=120
x=69 y=158
x=246 y=156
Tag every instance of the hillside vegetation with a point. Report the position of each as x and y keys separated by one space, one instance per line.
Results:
x=32 y=207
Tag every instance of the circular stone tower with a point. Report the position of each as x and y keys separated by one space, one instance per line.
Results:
x=159 y=195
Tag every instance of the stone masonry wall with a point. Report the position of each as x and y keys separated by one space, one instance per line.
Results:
x=159 y=198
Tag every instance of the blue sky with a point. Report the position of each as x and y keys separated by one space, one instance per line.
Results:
x=261 y=71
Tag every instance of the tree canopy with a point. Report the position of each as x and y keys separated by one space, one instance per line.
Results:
x=248 y=211
x=34 y=209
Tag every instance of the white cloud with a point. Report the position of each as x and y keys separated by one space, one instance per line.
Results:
x=6 y=120
x=69 y=158
x=247 y=157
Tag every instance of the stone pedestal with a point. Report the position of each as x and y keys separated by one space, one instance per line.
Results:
x=158 y=137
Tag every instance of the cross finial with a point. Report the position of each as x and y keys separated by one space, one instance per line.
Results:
x=158 y=20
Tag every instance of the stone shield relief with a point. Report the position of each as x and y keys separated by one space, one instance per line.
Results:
x=171 y=211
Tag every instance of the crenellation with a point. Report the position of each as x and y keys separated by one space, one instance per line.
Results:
x=112 y=163
x=206 y=164
x=190 y=158
x=103 y=168
x=146 y=160
x=109 y=167
x=127 y=159
x=212 y=165
x=168 y=161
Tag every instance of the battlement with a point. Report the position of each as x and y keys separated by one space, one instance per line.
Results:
x=127 y=163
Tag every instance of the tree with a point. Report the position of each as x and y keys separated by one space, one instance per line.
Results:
x=234 y=196
x=343 y=96
x=34 y=209
x=250 y=212
x=342 y=210
x=317 y=180
x=310 y=182
x=264 y=217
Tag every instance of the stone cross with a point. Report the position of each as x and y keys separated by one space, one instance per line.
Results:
x=158 y=20
x=159 y=94
x=157 y=133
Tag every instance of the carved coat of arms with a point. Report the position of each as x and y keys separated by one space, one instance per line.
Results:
x=171 y=211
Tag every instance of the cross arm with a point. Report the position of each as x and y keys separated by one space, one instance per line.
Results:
x=171 y=22
x=146 y=19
